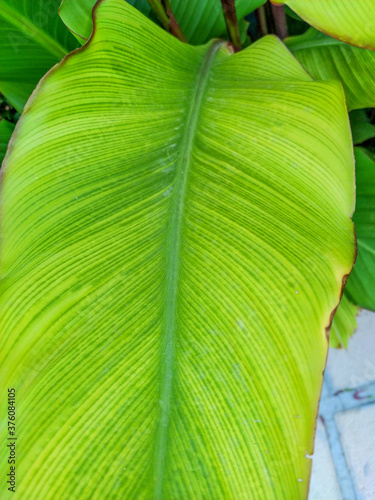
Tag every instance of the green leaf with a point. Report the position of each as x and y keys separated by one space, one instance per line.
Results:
x=199 y=21
x=344 y=323
x=6 y=130
x=360 y=287
x=347 y=20
x=326 y=58
x=32 y=40
x=362 y=128
x=170 y=264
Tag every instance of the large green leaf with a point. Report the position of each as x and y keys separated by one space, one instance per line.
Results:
x=344 y=323
x=347 y=20
x=326 y=58
x=360 y=286
x=32 y=40
x=199 y=20
x=175 y=232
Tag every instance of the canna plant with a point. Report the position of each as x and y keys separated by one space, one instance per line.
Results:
x=176 y=236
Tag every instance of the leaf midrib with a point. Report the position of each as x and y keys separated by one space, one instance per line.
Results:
x=173 y=267
x=32 y=31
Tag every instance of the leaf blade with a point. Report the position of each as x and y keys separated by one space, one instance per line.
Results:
x=93 y=271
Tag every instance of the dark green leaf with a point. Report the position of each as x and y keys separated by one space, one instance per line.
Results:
x=6 y=130
x=362 y=128
x=360 y=286
x=32 y=40
x=199 y=20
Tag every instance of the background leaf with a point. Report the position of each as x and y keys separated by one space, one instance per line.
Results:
x=326 y=58
x=77 y=15
x=6 y=130
x=360 y=286
x=170 y=264
x=296 y=25
x=199 y=21
x=351 y=22
x=32 y=40
x=362 y=128
x=360 y=283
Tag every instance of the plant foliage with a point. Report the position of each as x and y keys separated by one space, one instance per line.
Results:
x=170 y=264
x=175 y=239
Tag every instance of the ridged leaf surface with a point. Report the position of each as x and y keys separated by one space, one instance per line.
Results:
x=175 y=232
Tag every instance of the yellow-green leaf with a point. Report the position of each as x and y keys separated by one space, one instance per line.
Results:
x=326 y=58
x=347 y=20
x=344 y=323
x=175 y=232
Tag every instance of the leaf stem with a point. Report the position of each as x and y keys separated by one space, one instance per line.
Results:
x=164 y=13
x=231 y=21
x=278 y=14
x=173 y=24
x=262 y=20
